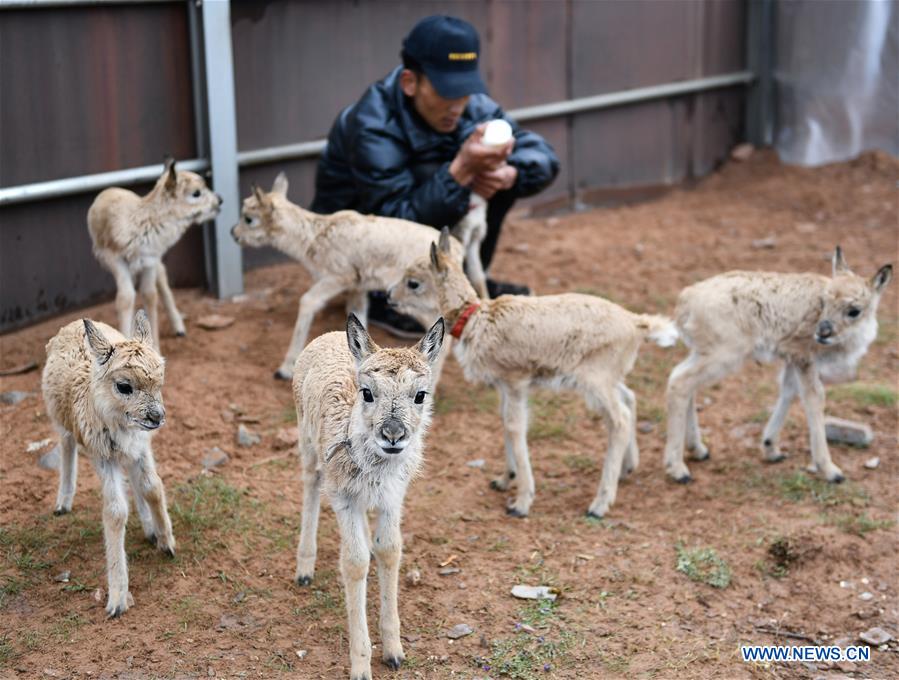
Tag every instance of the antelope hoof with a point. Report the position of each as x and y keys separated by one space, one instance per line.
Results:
x=394 y=662
x=180 y=334
x=499 y=484
x=61 y=511
x=152 y=540
x=281 y=374
x=512 y=511
x=683 y=479
x=169 y=552
x=775 y=458
x=593 y=515
x=303 y=580
x=838 y=478
x=700 y=454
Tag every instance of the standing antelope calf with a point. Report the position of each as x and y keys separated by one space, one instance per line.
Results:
x=819 y=327
x=344 y=253
x=104 y=394
x=363 y=413
x=131 y=234
x=578 y=342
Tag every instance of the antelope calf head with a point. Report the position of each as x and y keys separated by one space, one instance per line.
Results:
x=423 y=289
x=127 y=377
x=185 y=196
x=392 y=411
x=849 y=306
x=258 y=225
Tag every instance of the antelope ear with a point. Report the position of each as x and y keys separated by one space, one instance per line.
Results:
x=437 y=263
x=431 y=343
x=261 y=196
x=360 y=343
x=839 y=263
x=141 y=331
x=882 y=278
x=97 y=343
x=280 y=185
x=444 y=242
x=171 y=175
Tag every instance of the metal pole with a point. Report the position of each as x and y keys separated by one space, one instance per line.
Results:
x=760 y=49
x=227 y=275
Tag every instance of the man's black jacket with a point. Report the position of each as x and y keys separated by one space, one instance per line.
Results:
x=383 y=158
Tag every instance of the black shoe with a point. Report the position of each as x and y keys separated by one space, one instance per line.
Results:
x=380 y=314
x=497 y=288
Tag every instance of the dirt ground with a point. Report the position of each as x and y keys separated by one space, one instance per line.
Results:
x=795 y=555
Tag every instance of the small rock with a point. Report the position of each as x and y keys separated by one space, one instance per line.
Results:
x=459 y=630
x=63 y=577
x=14 y=397
x=639 y=249
x=840 y=431
x=412 y=637
x=526 y=628
x=553 y=281
x=478 y=463
x=214 y=322
x=806 y=227
x=246 y=418
x=645 y=426
x=847 y=584
x=875 y=636
x=413 y=577
x=866 y=596
x=301 y=653
x=287 y=437
x=535 y=592
x=227 y=416
x=742 y=152
x=210 y=672
x=37 y=446
x=246 y=438
x=237 y=599
x=215 y=458
x=521 y=248
x=448 y=571
x=98 y=596
x=872 y=463
x=552 y=221
x=764 y=243
x=189 y=424
x=238 y=299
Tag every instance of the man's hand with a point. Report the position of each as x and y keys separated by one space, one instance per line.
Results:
x=475 y=158
x=489 y=182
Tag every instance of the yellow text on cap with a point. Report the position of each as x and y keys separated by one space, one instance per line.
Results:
x=462 y=56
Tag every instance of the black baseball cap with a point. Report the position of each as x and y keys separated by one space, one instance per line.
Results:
x=447 y=49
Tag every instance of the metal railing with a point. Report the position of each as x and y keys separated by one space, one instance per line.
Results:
x=88 y=183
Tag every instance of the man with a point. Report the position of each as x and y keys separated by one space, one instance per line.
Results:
x=411 y=148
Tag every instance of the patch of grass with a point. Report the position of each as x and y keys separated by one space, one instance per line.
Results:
x=444 y=404
x=703 y=565
x=7 y=652
x=526 y=657
x=799 y=486
x=580 y=463
x=545 y=413
x=207 y=504
x=76 y=586
x=65 y=627
x=865 y=394
x=760 y=416
x=887 y=333
x=499 y=545
x=859 y=524
x=655 y=414
x=188 y=610
x=321 y=601
x=539 y=613
x=289 y=414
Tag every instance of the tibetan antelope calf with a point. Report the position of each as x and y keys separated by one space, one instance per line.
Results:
x=344 y=253
x=363 y=412
x=131 y=233
x=819 y=327
x=104 y=395
x=578 y=342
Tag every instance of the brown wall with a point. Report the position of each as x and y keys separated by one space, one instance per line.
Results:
x=103 y=88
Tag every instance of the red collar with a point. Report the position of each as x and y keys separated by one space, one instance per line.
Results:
x=459 y=326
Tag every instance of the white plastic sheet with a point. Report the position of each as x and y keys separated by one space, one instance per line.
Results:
x=837 y=79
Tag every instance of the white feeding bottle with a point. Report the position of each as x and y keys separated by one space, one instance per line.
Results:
x=497 y=133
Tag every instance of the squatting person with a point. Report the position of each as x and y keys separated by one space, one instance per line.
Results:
x=410 y=148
